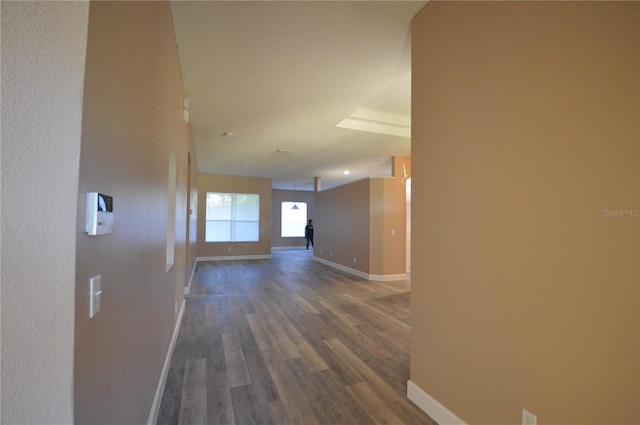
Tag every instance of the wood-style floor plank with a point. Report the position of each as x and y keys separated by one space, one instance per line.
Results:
x=376 y=406
x=360 y=368
x=294 y=400
x=290 y=341
x=237 y=373
x=304 y=304
x=193 y=404
x=330 y=403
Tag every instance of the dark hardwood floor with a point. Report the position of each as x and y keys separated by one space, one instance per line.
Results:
x=290 y=341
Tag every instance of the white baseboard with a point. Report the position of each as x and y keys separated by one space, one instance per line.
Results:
x=234 y=257
x=155 y=407
x=286 y=248
x=431 y=406
x=193 y=272
x=367 y=276
x=388 y=277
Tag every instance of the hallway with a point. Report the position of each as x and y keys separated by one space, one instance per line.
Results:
x=290 y=341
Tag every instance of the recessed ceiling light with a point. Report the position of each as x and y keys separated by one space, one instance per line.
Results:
x=227 y=134
x=346 y=172
x=284 y=151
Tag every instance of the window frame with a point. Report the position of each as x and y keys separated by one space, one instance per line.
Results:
x=233 y=217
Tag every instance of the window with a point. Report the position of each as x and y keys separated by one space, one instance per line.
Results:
x=293 y=219
x=232 y=217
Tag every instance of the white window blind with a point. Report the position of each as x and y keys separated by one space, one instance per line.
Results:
x=232 y=217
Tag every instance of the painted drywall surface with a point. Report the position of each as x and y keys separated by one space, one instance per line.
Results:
x=132 y=123
x=356 y=221
x=376 y=226
x=401 y=165
x=387 y=215
x=341 y=225
x=43 y=51
x=280 y=196
x=394 y=227
x=525 y=284
x=401 y=170
x=235 y=184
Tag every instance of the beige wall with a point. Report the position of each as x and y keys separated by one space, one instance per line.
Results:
x=387 y=226
x=132 y=123
x=357 y=220
x=400 y=164
x=393 y=227
x=525 y=132
x=235 y=184
x=43 y=61
x=280 y=196
x=341 y=225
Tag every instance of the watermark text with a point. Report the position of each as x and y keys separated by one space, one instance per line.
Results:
x=634 y=212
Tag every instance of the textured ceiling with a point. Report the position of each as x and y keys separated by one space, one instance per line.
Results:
x=282 y=75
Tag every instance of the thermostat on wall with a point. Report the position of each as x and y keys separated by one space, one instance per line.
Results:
x=99 y=214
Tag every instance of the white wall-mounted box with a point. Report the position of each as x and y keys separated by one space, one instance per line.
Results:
x=99 y=214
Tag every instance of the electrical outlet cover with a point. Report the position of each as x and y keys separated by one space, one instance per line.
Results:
x=528 y=418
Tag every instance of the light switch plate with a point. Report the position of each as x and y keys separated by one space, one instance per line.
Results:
x=95 y=291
